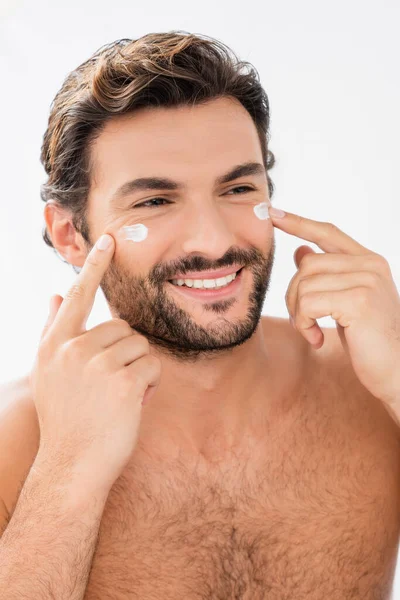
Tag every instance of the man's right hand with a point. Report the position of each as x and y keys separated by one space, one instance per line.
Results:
x=88 y=386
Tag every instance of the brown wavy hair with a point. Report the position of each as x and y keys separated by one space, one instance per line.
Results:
x=159 y=69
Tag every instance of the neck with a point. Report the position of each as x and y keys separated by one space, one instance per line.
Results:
x=212 y=403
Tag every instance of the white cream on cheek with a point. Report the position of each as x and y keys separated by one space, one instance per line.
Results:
x=136 y=233
x=261 y=211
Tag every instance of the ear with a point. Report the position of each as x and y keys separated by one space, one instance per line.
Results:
x=300 y=252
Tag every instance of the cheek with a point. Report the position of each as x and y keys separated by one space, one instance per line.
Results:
x=261 y=211
x=261 y=228
x=138 y=247
x=131 y=240
x=134 y=233
x=262 y=225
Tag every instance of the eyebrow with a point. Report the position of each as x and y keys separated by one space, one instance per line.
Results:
x=164 y=183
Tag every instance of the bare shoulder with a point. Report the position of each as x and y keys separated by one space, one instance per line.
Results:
x=283 y=333
x=345 y=417
x=331 y=375
x=364 y=417
x=19 y=439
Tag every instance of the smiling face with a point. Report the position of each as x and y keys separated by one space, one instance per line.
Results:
x=199 y=223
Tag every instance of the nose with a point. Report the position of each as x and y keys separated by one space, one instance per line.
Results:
x=207 y=230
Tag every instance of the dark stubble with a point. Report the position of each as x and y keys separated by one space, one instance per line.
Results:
x=149 y=307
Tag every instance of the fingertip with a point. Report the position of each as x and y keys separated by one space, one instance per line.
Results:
x=314 y=336
x=105 y=242
x=319 y=340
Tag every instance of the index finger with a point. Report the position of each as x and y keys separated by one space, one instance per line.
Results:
x=72 y=315
x=326 y=235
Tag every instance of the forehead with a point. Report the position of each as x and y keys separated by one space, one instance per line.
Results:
x=179 y=142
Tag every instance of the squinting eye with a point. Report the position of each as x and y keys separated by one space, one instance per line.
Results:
x=152 y=200
x=240 y=187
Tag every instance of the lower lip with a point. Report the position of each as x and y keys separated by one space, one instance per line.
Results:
x=211 y=293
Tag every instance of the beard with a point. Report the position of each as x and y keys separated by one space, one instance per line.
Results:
x=150 y=310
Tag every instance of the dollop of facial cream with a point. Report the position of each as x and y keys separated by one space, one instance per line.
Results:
x=136 y=233
x=261 y=211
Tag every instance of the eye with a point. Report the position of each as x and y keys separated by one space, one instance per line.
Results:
x=147 y=205
x=241 y=187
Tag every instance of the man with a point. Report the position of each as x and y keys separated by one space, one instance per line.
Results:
x=265 y=462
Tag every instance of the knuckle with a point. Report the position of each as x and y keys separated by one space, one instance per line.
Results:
x=380 y=263
x=45 y=349
x=287 y=297
x=122 y=325
x=141 y=372
x=155 y=363
x=143 y=343
x=141 y=380
x=302 y=287
x=127 y=378
x=301 y=221
x=75 y=292
x=150 y=370
x=373 y=279
x=330 y=226
x=329 y=229
x=74 y=348
x=292 y=285
x=307 y=261
x=117 y=320
x=100 y=365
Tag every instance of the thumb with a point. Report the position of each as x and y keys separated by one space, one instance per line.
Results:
x=55 y=303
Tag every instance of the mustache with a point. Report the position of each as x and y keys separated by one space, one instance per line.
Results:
x=161 y=273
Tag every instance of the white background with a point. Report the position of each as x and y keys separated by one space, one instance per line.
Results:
x=331 y=71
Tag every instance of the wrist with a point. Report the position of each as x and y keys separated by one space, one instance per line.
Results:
x=75 y=481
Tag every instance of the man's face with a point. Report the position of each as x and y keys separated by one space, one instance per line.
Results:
x=200 y=226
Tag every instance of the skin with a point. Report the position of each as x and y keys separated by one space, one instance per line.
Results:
x=325 y=476
x=217 y=368
x=355 y=286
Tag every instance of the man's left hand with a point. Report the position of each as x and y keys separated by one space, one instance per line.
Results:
x=355 y=287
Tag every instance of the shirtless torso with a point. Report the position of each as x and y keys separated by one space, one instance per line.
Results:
x=312 y=510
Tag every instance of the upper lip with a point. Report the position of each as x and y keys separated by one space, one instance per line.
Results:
x=208 y=274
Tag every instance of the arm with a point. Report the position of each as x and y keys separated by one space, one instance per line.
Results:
x=47 y=549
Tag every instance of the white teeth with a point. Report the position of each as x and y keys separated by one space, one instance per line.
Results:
x=205 y=283
x=209 y=283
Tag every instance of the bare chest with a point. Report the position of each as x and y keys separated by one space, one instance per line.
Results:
x=316 y=515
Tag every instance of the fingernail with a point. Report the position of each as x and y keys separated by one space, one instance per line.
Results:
x=291 y=321
x=277 y=212
x=104 y=242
